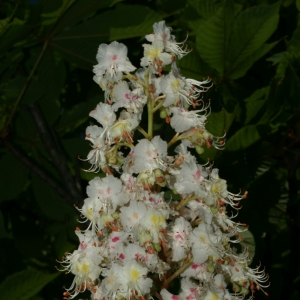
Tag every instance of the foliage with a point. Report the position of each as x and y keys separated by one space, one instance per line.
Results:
x=249 y=48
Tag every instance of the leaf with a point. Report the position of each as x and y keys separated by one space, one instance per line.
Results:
x=213 y=36
x=193 y=66
x=50 y=203
x=3 y=232
x=248 y=241
x=139 y=24
x=52 y=17
x=79 y=44
x=254 y=103
x=205 y=8
x=14 y=177
x=15 y=32
x=251 y=29
x=298 y=4
x=243 y=138
x=241 y=69
x=79 y=11
x=79 y=113
x=25 y=284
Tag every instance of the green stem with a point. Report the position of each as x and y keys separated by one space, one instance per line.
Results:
x=130 y=76
x=185 y=201
x=24 y=88
x=158 y=106
x=149 y=105
x=178 y=272
x=143 y=132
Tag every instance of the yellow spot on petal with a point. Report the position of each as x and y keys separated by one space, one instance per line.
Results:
x=134 y=274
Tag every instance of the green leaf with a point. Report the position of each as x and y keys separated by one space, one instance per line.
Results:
x=217 y=125
x=205 y=8
x=50 y=203
x=52 y=17
x=14 y=177
x=76 y=116
x=79 y=11
x=3 y=232
x=25 y=284
x=240 y=69
x=251 y=29
x=248 y=241
x=254 y=103
x=243 y=138
x=298 y=4
x=139 y=23
x=14 y=33
x=213 y=36
x=193 y=66
x=79 y=44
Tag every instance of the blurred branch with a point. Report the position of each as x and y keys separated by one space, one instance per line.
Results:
x=34 y=167
x=56 y=154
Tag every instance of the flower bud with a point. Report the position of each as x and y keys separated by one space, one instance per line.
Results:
x=157 y=247
x=144 y=238
x=199 y=149
x=210 y=268
x=106 y=218
x=163 y=113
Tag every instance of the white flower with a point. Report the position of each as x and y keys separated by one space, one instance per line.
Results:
x=133 y=101
x=131 y=217
x=155 y=57
x=183 y=119
x=180 y=232
x=112 y=60
x=198 y=271
x=154 y=221
x=205 y=242
x=190 y=179
x=163 y=33
x=107 y=194
x=104 y=114
x=173 y=87
x=132 y=277
x=150 y=155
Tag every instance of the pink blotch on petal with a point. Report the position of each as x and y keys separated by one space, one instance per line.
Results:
x=174 y=297
x=115 y=239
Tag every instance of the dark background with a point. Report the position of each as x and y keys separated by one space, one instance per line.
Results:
x=250 y=50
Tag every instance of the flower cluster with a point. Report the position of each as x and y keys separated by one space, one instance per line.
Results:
x=138 y=239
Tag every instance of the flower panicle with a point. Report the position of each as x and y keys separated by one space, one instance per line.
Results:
x=155 y=216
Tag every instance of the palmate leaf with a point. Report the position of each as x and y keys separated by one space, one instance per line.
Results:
x=254 y=103
x=52 y=17
x=25 y=284
x=205 y=8
x=241 y=69
x=139 y=24
x=243 y=138
x=213 y=36
x=251 y=29
x=193 y=66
